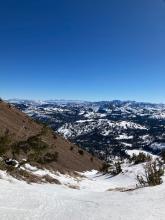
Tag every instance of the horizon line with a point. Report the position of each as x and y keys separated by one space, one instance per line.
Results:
x=76 y=100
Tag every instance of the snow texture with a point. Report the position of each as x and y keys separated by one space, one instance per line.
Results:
x=98 y=198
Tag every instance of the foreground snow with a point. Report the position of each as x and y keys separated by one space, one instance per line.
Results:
x=98 y=198
x=19 y=200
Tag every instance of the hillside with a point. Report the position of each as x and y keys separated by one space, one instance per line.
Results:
x=22 y=139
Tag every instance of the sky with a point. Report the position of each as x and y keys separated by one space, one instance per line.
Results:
x=83 y=49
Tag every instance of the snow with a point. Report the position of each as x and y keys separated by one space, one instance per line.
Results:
x=65 y=131
x=127 y=124
x=54 y=109
x=145 y=137
x=22 y=201
x=93 y=180
x=90 y=196
x=124 y=136
x=83 y=121
x=126 y=144
x=157 y=146
x=97 y=182
x=94 y=115
x=159 y=115
x=136 y=152
x=104 y=126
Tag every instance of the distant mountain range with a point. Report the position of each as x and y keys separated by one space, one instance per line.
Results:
x=105 y=128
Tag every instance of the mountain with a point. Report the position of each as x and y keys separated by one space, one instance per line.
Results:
x=31 y=152
x=23 y=139
x=105 y=128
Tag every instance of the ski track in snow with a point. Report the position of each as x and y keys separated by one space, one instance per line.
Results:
x=46 y=202
x=22 y=201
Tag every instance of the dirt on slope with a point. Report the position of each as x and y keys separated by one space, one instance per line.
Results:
x=39 y=145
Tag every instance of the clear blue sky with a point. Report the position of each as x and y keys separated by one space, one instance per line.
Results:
x=83 y=49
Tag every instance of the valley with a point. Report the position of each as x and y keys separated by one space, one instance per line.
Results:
x=105 y=129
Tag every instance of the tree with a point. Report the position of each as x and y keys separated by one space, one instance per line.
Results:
x=153 y=173
x=117 y=168
x=163 y=155
x=140 y=158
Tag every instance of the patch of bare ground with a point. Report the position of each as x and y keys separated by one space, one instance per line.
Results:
x=27 y=176
x=122 y=189
x=49 y=179
x=73 y=186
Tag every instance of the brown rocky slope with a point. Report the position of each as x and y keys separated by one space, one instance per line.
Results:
x=22 y=139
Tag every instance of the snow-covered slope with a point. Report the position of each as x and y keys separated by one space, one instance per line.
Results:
x=98 y=197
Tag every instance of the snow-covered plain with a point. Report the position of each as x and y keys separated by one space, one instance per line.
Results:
x=99 y=197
